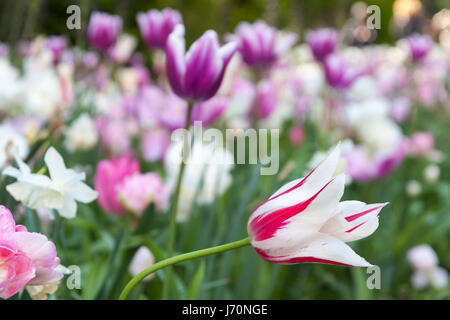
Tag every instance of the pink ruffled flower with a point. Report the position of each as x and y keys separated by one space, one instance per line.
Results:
x=139 y=190
x=305 y=222
x=26 y=258
x=108 y=179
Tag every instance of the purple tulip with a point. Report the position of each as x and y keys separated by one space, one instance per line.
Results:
x=338 y=72
x=57 y=45
x=103 y=30
x=419 y=46
x=156 y=26
x=197 y=74
x=322 y=42
x=260 y=44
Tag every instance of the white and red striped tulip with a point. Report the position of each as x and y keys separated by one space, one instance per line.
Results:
x=305 y=222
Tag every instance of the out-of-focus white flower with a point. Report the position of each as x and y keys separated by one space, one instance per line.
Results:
x=81 y=135
x=9 y=84
x=413 y=188
x=11 y=142
x=142 y=259
x=381 y=136
x=60 y=191
x=422 y=257
x=41 y=93
x=424 y=261
x=128 y=80
x=431 y=173
x=123 y=49
x=436 y=277
x=206 y=176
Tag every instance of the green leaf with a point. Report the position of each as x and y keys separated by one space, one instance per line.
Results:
x=196 y=283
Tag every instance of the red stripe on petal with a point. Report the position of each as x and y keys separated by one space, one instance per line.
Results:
x=314 y=260
x=264 y=226
x=360 y=214
x=359 y=225
x=276 y=259
x=287 y=191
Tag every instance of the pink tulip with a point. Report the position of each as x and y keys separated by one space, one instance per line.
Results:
x=109 y=176
x=421 y=143
x=266 y=99
x=26 y=258
x=305 y=222
x=297 y=136
x=154 y=144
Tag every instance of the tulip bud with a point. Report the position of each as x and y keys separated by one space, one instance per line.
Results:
x=142 y=259
x=431 y=173
x=413 y=188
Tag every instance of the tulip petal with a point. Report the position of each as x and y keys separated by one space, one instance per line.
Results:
x=354 y=220
x=302 y=189
x=175 y=60
x=320 y=248
x=203 y=64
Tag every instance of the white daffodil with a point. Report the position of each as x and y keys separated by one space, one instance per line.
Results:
x=59 y=192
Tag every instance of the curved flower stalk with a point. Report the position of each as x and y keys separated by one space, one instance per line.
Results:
x=305 y=222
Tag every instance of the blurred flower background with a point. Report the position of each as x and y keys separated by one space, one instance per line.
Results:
x=87 y=160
